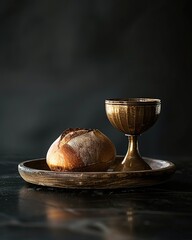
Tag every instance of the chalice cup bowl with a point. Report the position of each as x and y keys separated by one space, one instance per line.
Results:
x=132 y=116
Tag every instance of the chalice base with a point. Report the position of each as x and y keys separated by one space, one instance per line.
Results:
x=131 y=163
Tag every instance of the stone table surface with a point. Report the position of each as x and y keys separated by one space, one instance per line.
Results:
x=33 y=212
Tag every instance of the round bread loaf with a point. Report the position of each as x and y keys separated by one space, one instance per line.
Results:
x=78 y=149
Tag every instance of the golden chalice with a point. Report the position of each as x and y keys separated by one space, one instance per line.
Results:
x=133 y=116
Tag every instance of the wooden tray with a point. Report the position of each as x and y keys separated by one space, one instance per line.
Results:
x=37 y=172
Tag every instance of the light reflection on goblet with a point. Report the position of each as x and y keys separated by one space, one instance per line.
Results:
x=133 y=116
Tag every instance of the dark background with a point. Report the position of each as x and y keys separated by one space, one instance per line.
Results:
x=59 y=61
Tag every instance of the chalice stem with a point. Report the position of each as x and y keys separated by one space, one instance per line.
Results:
x=133 y=149
x=133 y=160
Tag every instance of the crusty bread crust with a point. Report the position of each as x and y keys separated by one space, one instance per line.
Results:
x=81 y=150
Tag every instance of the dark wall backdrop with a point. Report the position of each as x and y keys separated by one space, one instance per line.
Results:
x=59 y=61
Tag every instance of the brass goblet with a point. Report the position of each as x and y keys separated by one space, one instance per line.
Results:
x=133 y=116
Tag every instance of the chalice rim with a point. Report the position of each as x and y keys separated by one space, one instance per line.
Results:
x=133 y=101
